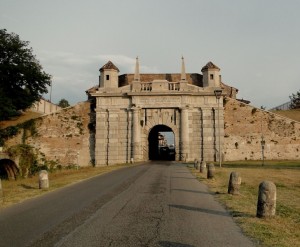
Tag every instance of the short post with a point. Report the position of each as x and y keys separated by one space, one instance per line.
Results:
x=235 y=181
x=266 y=204
x=131 y=161
x=43 y=179
x=210 y=171
x=203 y=167
x=196 y=164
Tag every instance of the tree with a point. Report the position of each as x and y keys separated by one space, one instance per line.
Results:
x=295 y=101
x=63 y=103
x=22 y=79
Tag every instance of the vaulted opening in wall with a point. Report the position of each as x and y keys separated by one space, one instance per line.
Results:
x=161 y=143
x=8 y=169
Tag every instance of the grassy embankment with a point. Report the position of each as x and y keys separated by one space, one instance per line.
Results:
x=281 y=230
x=292 y=114
x=25 y=116
x=15 y=191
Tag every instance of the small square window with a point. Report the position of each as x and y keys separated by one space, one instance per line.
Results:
x=107 y=77
x=211 y=76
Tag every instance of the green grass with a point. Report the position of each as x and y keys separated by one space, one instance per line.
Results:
x=281 y=230
x=15 y=191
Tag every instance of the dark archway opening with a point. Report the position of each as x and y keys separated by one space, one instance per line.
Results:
x=161 y=143
x=8 y=169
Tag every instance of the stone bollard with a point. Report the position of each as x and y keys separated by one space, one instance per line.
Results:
x=234 y=183
x=198 y=165
x=203 y=167
x=43 y=179
x=266 y=204
x=195 y=163
x=210 y=171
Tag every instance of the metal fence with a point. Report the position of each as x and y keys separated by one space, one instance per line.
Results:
x=285 y=106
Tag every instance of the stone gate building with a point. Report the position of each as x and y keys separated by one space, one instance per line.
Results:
x=131 y=110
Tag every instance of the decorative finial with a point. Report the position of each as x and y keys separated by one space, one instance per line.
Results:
x=183 y=75
x=137 y=70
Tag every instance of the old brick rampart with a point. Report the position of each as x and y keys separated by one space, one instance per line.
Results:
x=67 y=136
x=245 y=126
x=63 y=137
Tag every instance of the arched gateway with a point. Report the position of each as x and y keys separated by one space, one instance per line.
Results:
x=131 y=109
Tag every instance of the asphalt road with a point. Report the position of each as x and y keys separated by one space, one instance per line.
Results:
x=155 y=204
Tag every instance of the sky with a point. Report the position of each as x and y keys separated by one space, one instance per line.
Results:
x=255 y=43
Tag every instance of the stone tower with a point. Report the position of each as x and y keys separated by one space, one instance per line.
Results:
x=109 y=76
x=211 y=75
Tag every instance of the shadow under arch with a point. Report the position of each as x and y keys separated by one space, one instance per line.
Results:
x=157 y=151
x=8 y=169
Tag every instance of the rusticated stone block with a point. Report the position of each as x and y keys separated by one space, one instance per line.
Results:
x=235 y=181
x=266 y=204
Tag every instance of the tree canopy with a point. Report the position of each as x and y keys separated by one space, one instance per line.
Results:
x=295 y=101
x=63 y=103
x=22 y=79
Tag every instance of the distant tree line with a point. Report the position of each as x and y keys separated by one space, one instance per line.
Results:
x=295 y=100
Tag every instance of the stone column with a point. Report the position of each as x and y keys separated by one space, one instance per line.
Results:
x=101 y=136
x=208 y=139
x=113 y=136
x=219 y=132
x=184 y=134
x=136 y=134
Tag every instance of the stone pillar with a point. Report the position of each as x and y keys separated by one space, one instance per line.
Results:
x=203 y=167
x=101 y=136
x=184 y=134
x=113 y=136
x=207 y=134
x=43 y=179
x=136 y=134
x=266 y=204
x=234 y=183
x=219 y=131
x=210 y=171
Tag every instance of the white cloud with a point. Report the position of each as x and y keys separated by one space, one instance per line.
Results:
x=72 y=74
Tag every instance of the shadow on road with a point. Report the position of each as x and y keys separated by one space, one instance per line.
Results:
x=183 y=177
x=193 y=191
x=203 y=210
x=173 y=244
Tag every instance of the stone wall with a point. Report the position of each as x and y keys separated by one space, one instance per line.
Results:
x=45 y=107
x=67 y=136
x=244 y=127
x=63 y=136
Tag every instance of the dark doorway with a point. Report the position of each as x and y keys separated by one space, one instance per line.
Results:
x=161 y=143
x=8 y=169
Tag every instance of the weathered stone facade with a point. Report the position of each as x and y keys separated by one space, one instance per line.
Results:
x=119 y=123
x=126 y=115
